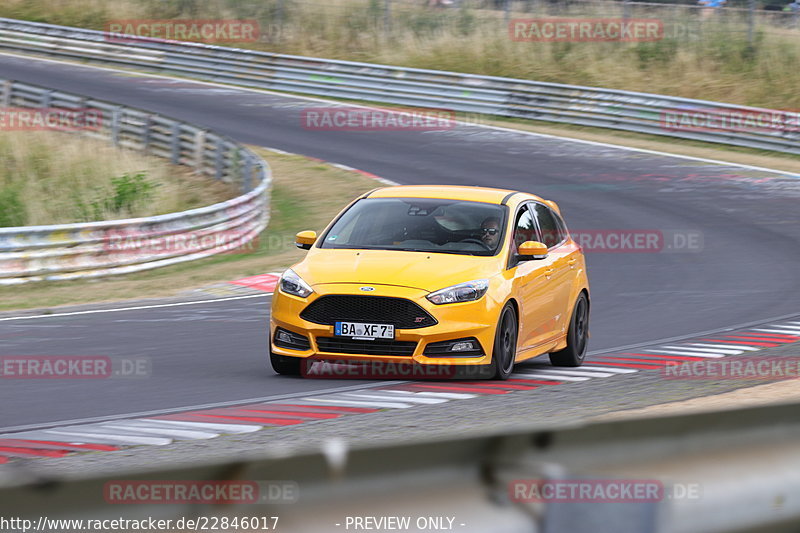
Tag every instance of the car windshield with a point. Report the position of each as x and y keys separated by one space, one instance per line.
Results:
x=419 y=225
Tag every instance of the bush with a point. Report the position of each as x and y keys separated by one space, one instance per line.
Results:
x=130 y=191
x=127 y=194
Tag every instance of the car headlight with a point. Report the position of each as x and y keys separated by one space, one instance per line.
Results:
x=463 y=292
x=293 y=284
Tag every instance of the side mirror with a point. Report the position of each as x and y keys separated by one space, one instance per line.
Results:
x=532 y=250
x=305 y=239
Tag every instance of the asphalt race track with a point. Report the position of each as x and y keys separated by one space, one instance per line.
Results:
x=746 y=270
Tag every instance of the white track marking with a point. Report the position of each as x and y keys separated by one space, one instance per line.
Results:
x=550 y=377
x=162 y=431
x=706 y=350
x=222 y=428
x=136 y=308
x=389 y=397
x=356 y=403
x=121 y=439
x=659 y=351
x=782 y=331
x=785 y=326
x=735 y=346
x=609 y=369
x=577 y=371
x=448 y=395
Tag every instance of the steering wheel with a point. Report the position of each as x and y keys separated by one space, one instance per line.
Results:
x=475 y=241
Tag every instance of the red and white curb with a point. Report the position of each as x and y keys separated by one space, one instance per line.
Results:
x=209 y=423
x=739 y=342
x=262 y=282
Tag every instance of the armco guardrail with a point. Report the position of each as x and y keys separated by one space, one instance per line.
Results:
x=724 y=471
x=93 y=249
x=507 y=97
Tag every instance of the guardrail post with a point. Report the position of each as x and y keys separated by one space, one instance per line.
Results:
x=82 y=106
x=199 y=149
x=116 y=115
x=218 y=159
x=247 y=174
x=8 y=87
x=148 y=126
x=47 y=97
x=175 y=143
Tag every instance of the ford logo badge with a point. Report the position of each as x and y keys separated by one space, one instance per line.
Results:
x=367 y=289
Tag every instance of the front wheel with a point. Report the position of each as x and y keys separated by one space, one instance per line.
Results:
x=286 y=366
x=577 y=336
x=505 y=344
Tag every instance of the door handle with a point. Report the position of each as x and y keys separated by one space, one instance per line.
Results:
x=549 y=272
x=572 y=262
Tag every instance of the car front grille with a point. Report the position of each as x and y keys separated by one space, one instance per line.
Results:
x=404 y=314
x=376 y=347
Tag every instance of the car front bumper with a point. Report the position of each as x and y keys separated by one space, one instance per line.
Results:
x=476 y=320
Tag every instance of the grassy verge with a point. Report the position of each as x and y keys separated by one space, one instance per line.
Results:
x=297 y=204
x=57 y=178
x=702 y=55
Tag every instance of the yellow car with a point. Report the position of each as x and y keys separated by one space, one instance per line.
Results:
x=458 y=277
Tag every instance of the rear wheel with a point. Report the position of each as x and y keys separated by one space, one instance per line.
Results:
x=577 y=336
x=286 y=366
x=505 y=344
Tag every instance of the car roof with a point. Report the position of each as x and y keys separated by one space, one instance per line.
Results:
x=453 y=192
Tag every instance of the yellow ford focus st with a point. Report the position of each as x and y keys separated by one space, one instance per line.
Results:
x=458 y=277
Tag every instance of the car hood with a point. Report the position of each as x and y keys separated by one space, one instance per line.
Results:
x=418 y=270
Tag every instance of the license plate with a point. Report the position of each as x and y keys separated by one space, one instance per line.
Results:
x=359 y=330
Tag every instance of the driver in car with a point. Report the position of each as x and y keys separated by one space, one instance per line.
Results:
x=490 y=232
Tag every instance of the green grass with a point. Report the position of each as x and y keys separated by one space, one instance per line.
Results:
x=57 y=178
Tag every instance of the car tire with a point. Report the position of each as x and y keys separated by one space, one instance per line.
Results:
x=505 y=343
x=285 y=366
x=577 y=336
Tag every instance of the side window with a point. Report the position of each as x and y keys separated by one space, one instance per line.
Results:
x=524 y=229
x=562 y=226
x=552 y=234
